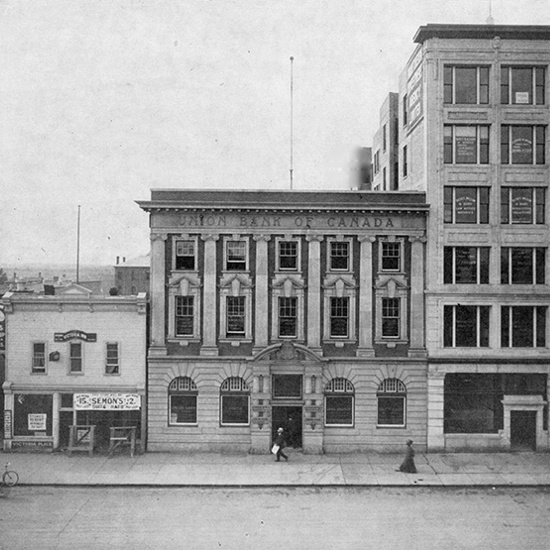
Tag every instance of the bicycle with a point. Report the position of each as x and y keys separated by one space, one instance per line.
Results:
x=9 y=477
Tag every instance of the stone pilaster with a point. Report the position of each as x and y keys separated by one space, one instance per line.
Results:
x=158 y=289
x=209 y=325
x=366 y=309
x=262 y=294
x=313 y=313
x=417 y=346
x=260 y=427
x=436 y=388
x=312 y=421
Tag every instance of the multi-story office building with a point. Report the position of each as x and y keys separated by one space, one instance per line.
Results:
x=132 y=276
x=385 y=146
x=474 y=136
x=293 y=309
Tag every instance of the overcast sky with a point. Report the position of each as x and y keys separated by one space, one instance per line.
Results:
x=100 y=101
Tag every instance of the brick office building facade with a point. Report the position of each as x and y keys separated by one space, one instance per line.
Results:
x=295 y=309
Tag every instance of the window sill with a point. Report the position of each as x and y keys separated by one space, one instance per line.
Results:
x=235 y=342
x=391 y=426
x=39 y=373
x=391 y=343
x=182 y=341
x=340 y=343
x=186 y=425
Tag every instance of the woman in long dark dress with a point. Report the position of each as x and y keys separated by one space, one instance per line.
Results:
x=408 y=466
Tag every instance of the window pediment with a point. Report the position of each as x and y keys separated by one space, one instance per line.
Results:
x=183 y=283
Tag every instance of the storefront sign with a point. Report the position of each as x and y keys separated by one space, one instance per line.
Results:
x=7 y=424
x=75 y=334
x=37 y=422
x=107 y=401
x=32 y=445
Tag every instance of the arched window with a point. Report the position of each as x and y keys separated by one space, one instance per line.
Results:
x=392 y=402
x=182 y=401
x=234 y=402
x=339 y=403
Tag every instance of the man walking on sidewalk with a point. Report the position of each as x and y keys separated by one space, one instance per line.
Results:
x=280 y=442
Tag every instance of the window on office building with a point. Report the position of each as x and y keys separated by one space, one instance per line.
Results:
x=339 y=402
x=466 y=85
x=339 y=255
x=391 y=256
x=185 y=315
x=288 y=255
x=522 y=266
x=466 y=144
x=405 y=111
x=112 y=358
x=391 y=317
x=466 y=205
x=236 y=255
x=39 y=358
x=186 y=255
x=522 y=205
x=392 y=400
x=522 y=85
x=234 y=402
x=405 y=162
x=339 y=317
x=466 y=326
x=75 y=357
x=522 y=144
x=288 y=316
x=523 y=326
x=466 y=265
x=236 y=316
x=182 y=401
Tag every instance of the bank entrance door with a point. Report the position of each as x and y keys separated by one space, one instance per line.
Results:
x=290 y=419
x=523 y=430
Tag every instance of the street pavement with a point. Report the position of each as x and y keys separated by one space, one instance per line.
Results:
x=522 y=469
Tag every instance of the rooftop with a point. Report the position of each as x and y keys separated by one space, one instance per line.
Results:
x=509 y=32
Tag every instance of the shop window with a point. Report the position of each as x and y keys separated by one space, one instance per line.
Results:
x=112 y=364
x=466 y=144
x=32 y=414
x=392 y=399
x=522 y=266
x=39 y=358
x=466 y=205
x=185 y=315
x=236 y=255
x=287 y=256
x=339 y=255
x=466 y=326
x=522 y=205
x=75 y=357
x=391 y=256
x=182 y=401
x=235 y=401
x=236 y=316
x=522 y=85
x=466 y=265
x=288 y=316
x=339 y=403
x=523 y=326
x=522 y=144
x=339 y=317
x=186 y=255
x=465 y=85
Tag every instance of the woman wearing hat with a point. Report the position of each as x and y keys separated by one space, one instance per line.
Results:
x=280 y=442
x=408 y=466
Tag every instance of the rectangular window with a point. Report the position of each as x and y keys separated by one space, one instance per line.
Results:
x=390 y=317
x=391 y=410
x=339 y=317
x=466 y=326
x=466 y=205
x=339 y=256
x=75 y=355
x=391 y=256
x=287 y=316
x=522 y=85
x=234 y=409
x=405 y=112
x=185 y=255
x=235 y=316
x=522 y=266
x=465 y=85
x=235 y=256
x=405 y=165
x=466 y=265
x=522 y=144
x=339 y=410
x=183 y=409
x=523 y=326
x=522 y=205
x=384 y=184
x=185 y=313
x=466 y=144
x=287 y=386
x=39 y=357
x=112 y=364
x=384 y=137
x=288 y=255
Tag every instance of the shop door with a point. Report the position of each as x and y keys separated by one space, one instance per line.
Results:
x=290 y=419
x=523 y=430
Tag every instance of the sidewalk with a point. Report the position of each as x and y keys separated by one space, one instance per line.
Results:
x=235 y=470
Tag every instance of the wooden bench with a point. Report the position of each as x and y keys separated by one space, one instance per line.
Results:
x=122 y=436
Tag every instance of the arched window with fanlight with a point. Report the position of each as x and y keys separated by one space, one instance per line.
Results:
x=339 y=403
x=392 y=403
x=182 y=401
x=234 y=402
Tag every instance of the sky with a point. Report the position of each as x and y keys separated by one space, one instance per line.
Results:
x=103 y=100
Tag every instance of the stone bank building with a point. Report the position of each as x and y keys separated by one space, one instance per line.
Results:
x=296 y=309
